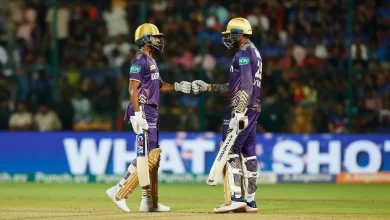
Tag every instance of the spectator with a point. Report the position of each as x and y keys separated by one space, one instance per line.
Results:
x=338 y=122
x=359 y=50
x=366 y=119
x=116 y=21
x=27 y=23
x=3 y=56
x=4 y=116
x=384 y=118
x=5 y=96
x=105 y=104
x=40 y=11
x=206 y=60
x=120 y=44
x=310 y=93
x=78 y=41
x=82 y=108
x=275 y=12
x=21 y=120
x=65 y=112
x=23 y=84
x=222 y=13
x=383 y=85
x=373 y=101
x=288 y=60
x=63 y=20
x=311 y=61
x=117 y=52
x=40 y=87
x=297 y=90
x=320 y=50
x=46 y=119
x=298 y=52
x=319 y=120
x=258 y=21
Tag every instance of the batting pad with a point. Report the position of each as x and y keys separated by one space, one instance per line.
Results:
x=154 y=183
x=132 y=182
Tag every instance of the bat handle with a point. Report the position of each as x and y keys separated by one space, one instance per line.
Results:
x=241 y=125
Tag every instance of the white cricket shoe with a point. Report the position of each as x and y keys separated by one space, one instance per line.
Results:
x=147 y=205
x=232 y=207
x=250 y=208
x=121 y=203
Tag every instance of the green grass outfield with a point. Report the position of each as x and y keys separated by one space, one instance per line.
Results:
x=196 y=201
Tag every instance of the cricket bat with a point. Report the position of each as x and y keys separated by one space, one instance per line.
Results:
x=142 y=159
x=216 y=172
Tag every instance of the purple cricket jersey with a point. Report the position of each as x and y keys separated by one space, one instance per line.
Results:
x=144 y=70
x=245 y=79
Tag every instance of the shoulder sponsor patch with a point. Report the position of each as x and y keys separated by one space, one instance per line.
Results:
x=258 y=54
x=139 y=56
x=152 y=67
x=243 y=60
x=135 y=69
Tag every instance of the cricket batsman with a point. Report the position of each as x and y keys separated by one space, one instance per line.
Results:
x=244 y=90
x=145 y=86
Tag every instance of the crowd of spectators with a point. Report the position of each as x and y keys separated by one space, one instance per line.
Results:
x=303 y=44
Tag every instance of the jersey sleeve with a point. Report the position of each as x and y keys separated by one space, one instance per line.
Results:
x=137 y=69
x=245 y=91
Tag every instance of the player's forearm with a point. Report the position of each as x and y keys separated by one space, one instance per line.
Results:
x=221 y=88
x=134 y=99
x=167 y=88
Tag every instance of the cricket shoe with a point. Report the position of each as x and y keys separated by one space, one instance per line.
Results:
x=147 y=205
x=231 y=207
x=121 y=203
x=250 y=208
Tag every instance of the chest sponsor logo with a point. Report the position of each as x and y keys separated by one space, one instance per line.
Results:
x=243 y=60
x=135 y=69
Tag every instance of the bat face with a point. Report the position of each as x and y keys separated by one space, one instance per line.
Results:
x=142 y=160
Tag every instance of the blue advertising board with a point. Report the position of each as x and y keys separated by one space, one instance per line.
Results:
x=191 y=153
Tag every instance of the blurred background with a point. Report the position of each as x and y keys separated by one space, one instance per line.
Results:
x=65 y=63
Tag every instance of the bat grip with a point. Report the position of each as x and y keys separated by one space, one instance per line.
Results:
x=241 y=124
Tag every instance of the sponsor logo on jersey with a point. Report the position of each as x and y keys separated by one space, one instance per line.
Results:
x=155 y=76
x=135 y=69
x=258 y=54
x=152 y=67
x=243 y=60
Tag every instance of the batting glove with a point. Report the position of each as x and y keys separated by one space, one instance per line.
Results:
x=199 y=86
x=183 y=86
